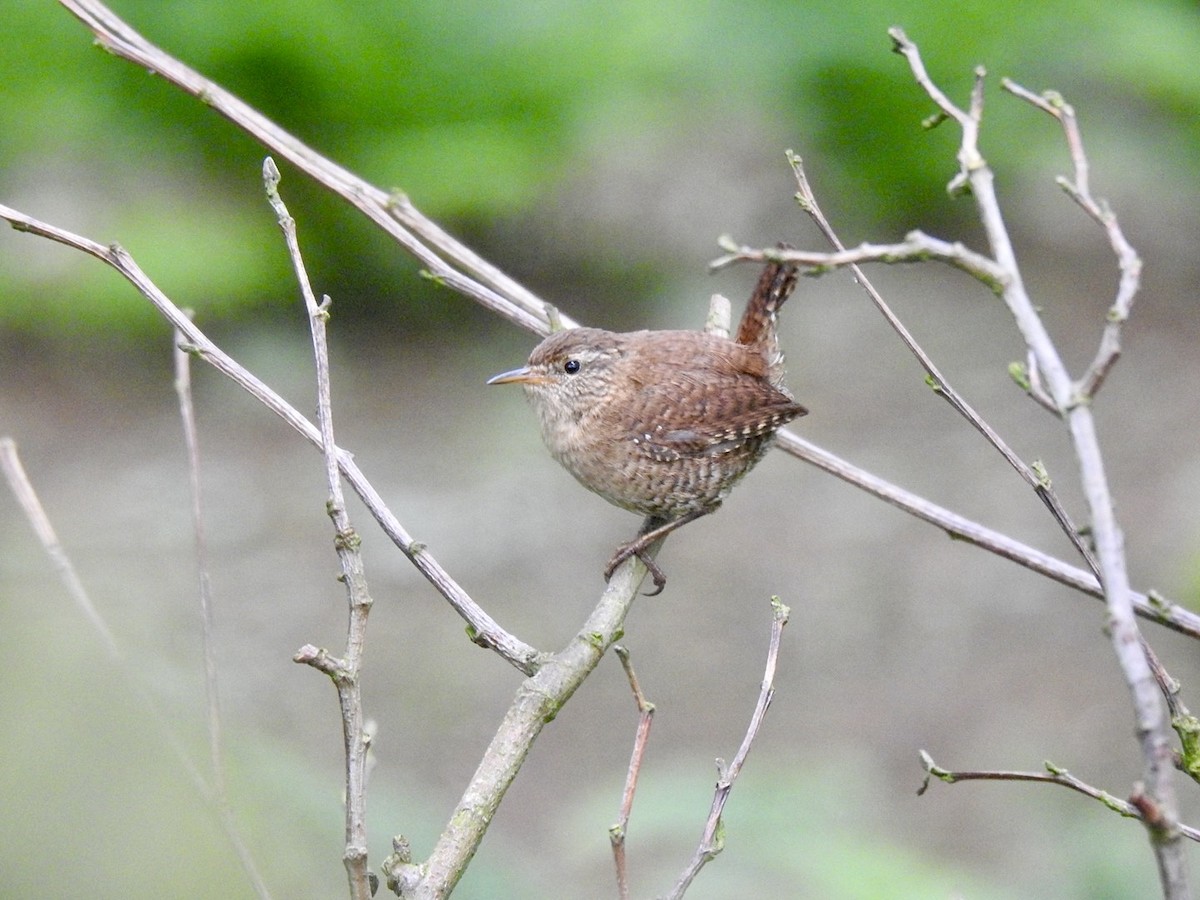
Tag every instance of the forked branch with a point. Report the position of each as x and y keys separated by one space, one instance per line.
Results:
x=1158 y=792
x=1129 y=263
x=345 y=673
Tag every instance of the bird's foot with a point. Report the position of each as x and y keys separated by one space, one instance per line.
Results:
x=638 y=547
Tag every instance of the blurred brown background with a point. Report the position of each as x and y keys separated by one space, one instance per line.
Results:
x=596 y=153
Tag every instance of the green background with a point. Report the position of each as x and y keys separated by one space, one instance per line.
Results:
x=485 y=113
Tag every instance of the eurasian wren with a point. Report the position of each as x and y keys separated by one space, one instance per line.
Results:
x=663 y=423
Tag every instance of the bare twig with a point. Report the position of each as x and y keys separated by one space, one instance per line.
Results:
x=22 y=488
x=917 y=246
x=617 y=832
x=1129 y=263
x=220 y=790
x=395 y=214
x=712 y=840
x=1151 y=721
x=485 y=631
x=1151 y=606
x=345 y=672
x=187 y=415
x=1134 y=809
x=1041 y=485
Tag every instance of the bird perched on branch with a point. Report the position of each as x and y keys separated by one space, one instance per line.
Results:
x=663 y=423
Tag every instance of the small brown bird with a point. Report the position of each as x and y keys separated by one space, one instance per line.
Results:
x=663 y=423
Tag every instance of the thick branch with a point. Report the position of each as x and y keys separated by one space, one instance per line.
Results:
x=537 y=702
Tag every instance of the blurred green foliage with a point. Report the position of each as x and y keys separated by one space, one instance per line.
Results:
x=482 y=111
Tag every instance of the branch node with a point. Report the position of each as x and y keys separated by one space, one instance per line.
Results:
x=933 y=121
x=402 y=874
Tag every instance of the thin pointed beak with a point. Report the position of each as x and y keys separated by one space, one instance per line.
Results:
x=522 y=375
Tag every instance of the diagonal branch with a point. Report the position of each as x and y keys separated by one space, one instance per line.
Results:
x=434 y=248
x=537 y=702
x=31 y=506
x=485 y=630
x=1151 y=606
x=712 y=841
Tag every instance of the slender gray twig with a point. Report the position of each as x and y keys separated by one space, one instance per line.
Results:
x=485 y=631
x=22 y=488
x=345 y=672
x=712 y=840
x=434 y=248
x=1150 y=606
x=187 y=415
x=1134 y=809
x=916 y=247
x=216 y=751
x=35 y=514
x=1129 y=263
x=617 y=832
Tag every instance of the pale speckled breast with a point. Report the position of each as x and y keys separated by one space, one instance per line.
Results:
x=695 y=422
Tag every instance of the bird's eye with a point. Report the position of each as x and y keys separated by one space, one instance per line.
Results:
x=571 y=366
